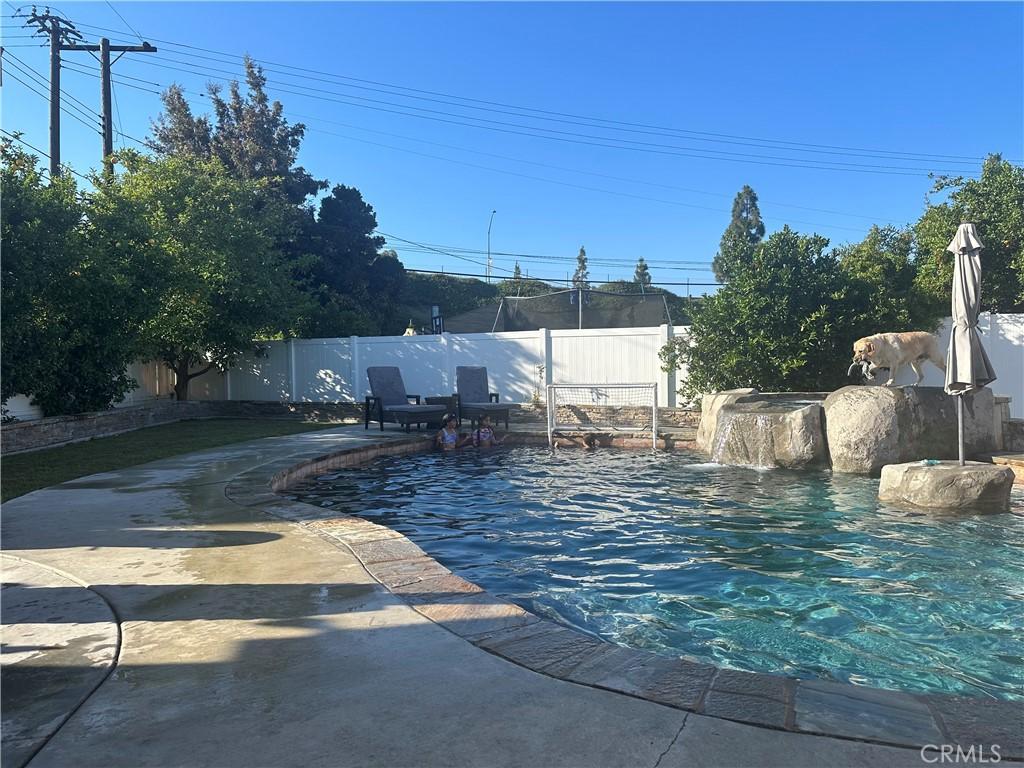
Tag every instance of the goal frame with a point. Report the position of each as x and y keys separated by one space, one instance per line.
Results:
x=552 y=404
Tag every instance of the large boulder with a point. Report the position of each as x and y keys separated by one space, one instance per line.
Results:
x=869 y=427
x=766 y=434
x=710 y=405
x=975 y=487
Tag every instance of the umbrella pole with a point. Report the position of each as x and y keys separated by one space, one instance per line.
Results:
x=960 y=426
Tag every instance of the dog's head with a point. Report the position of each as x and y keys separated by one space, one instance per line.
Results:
x=863 y=349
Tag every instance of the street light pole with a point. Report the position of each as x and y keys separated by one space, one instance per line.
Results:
x=489 y=222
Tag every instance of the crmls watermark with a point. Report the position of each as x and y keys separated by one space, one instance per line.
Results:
x=956 y=753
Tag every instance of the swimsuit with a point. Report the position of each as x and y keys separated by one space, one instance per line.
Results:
x=448 y=439
x=484 y=434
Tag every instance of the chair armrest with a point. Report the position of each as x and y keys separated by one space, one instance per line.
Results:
x=413 y=397
x=494 y=397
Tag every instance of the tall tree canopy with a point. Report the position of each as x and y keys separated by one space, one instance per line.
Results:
x=354 y=283
x=332 y=248
x=249 y=134
x=642 y=274
x=581 y=277
x=209 y=241
x=740 y=239
x=68 y=307
x=995 y=203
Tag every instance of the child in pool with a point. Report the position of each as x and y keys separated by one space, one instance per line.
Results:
x=484 y=436
x=448 y=439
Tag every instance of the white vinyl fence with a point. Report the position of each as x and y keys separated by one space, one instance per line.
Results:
x=519 y=365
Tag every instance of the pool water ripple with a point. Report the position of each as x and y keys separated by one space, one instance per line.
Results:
x=800 y=573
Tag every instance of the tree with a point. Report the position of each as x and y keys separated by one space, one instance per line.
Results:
x=581 y=277
x=216 y=277
x=784 y=321
x=517 y=273
x=642 y=274
x=69 y=310
x=995 y=203
x=879 y=273
x=349 y=269
x=177 y=131
x=249 y=135
x=741 y=237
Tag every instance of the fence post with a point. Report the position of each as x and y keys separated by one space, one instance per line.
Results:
x=293 y=391
x=545 y=341
x=449 y=374
x=667 y=379
x=357 y=380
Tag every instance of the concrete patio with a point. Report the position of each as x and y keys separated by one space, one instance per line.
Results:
x=151 y=620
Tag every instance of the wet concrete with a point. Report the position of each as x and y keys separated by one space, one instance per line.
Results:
x=248 y=640
x=59 y=641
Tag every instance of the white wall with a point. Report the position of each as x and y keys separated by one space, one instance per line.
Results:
x=263 y=376
x=1003 y=338
x=323 y=370
x=511 y=360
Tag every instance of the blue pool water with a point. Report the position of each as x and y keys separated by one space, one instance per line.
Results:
x=799 y=573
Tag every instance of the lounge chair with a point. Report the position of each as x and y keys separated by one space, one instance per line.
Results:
x=474 y=398
x=389 y=402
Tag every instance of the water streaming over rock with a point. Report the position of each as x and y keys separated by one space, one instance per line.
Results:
x=767 y=435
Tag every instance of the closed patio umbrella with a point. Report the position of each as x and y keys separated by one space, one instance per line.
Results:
x=967 y=366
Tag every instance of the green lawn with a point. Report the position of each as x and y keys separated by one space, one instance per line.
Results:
x=28 y=471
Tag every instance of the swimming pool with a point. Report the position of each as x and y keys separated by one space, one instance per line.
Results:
x=797 y=573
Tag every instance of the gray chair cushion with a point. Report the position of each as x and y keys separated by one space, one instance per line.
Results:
x=471 y=384
x=425 y=410
x=386 y=383
x=484 y=408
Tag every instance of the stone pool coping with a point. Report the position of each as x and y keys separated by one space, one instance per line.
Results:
x=816 y=707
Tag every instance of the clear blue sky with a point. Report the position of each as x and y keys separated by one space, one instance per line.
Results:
x=922 y=78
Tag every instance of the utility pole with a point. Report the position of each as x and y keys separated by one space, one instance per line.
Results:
x=104 y=49
x=55 y=32
x=63 y=37
x=108 y=124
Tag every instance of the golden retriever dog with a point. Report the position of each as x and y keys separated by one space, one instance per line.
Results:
x=894 y=350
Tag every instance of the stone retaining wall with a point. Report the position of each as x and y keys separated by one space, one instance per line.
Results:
x=21 y=436
x=1013 y=435
x=625 y=416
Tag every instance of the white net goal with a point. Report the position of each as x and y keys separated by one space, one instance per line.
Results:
x=574 y=408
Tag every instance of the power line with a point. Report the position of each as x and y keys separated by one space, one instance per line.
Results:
x=548 y=256
x=514 y=159
x=63 y=108
x=610 y=122
x=594 y=262
x=808 y=163
x=572 y=185
x=26 y=69
x=437 y=250
x=542 y=279
x=570 y=137
x=122 y=18
x=17 y=138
